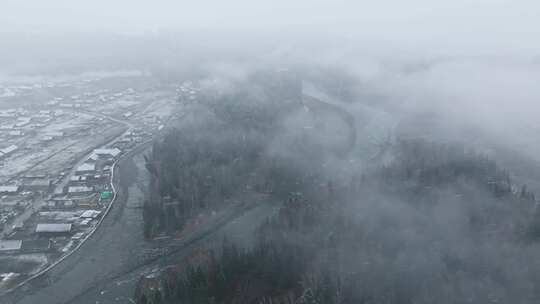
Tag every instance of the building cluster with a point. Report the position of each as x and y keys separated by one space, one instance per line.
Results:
x=62 y=213
x=55 y=186
x=17 y=122
x=187 y=92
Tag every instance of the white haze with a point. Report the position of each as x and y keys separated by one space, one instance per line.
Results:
x=460 y=24
x=474 y=62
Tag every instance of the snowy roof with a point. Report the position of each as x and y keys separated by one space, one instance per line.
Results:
x=15 y=133
x=86 y=221
x=55 y=228
x=79 y=189
x=38 y=182
x=77 y=236
x=86 y=167
x=112 y=152
x=9 y=189
x=7 y=127
x=90 y=214
x=8 y=245
x=9 y=149
x=55 y=134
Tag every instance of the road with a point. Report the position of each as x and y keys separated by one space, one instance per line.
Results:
x=108 y=250
x=65 y=179
x=106 y=267
x=129 y=127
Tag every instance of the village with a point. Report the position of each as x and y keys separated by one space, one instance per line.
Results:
x=57 y=162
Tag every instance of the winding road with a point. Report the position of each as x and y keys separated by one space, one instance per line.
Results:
x=107 y=266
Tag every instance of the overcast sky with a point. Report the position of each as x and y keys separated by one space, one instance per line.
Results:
x=449 y=27
x=353 y=15
x=414 y=30
x=473 y=24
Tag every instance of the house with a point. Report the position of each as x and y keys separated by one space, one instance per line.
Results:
x=90 y=214
x=77 y=236
x=15 y=133
x=43 y=185
x=8 y=127
x=46 y=139
x=85 y=222
x=53 y=229
x=39 y=245
x=9 y=189
x=10 y=246
x=23 y=121
x=54 y=134
x=68 y=204
x=107 y=153
x=8 y=150
x=7 y=115
x=92 y=158
x=80 y=189
x=77 y=179
x=86 y=168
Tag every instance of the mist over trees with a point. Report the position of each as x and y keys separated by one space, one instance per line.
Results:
x=352 y=152
x=218 y=151
x=429 y=222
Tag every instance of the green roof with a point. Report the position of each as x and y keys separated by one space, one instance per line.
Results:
x=106 y=194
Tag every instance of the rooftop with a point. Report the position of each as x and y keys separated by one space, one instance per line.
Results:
x=53 y=228
x=10 y=245
x=112 y=152
x=9 y=189
x=79 y=189
x=86 y=167
x=9 y=149
x=90 y=214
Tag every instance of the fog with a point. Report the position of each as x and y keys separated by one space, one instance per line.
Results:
x=474 y=26
x=417 y=119
x=473 y=64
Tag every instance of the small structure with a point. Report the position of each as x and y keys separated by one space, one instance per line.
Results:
x=44 y=185
x=9 y=189
x=68 y=204
x=107 y=153
x=77 y=236
x=77 y=179
x=17 y=226
x=8 y=150
x=86 y=168
x=32 y=246
x=92 y=214
x=106 y=195
x=55 y=134
x=53 y=229
x=92 y=158
x=49 y=205
x=85 y=222
x=10 y=246
x=16 y=133
x=80 y=189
